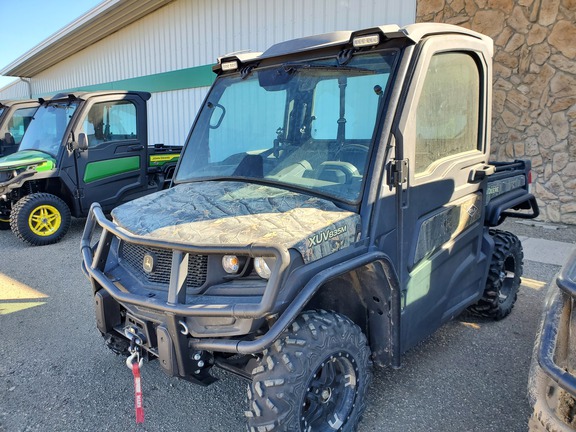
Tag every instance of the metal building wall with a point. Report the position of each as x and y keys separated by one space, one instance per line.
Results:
x=171 y=114
x=17 y=90
x=189 y=33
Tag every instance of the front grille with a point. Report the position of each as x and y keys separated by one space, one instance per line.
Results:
x=133 y=256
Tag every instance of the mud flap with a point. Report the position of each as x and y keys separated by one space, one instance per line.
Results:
x=107 y=311
x=166 y=352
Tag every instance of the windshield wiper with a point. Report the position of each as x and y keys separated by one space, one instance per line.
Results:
x=356 y=71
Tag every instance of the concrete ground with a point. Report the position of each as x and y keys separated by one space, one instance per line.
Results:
x=544 y=242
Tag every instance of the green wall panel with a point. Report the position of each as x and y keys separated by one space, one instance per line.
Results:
x=200 y=76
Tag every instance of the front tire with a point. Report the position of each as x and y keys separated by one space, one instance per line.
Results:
x=503 y=277
x=40 y=219
x=313 y=378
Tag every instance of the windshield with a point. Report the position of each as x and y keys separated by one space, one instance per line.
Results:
x=47 y=127
x=305 y=125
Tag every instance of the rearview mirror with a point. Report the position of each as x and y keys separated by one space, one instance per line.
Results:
x=217 y=115
x=275 y=79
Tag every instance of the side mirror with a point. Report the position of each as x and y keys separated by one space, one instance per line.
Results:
x=82 y=143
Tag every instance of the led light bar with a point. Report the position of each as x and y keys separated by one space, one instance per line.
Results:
x=364 y=41
x=228 y=66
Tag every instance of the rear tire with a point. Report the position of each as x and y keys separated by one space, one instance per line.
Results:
x=40 y=219
x=314 y=377
x=503 y=277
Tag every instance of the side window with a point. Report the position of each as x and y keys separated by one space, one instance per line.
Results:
x=110 y=121
x=360 y=107
x=19 y=123
x=447 y=115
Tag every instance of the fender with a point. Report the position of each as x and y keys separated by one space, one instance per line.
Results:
x=378 y=259
x=496 y=210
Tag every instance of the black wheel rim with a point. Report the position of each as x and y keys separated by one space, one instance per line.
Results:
x=507 y=279
x=331 y=394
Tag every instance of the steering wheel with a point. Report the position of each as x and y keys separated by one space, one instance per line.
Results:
x=329 y=171
x=356 y=154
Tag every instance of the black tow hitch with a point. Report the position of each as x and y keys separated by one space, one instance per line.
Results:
x=134 y=335
x=199 y=364
x=203 y=362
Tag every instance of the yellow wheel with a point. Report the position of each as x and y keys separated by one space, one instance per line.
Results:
x=44 y=220
x=40 y=219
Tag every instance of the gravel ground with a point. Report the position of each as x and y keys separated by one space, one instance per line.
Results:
x=56 y=375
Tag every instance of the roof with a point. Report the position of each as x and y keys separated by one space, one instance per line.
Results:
x=413 y=32
x=98 y=23
x=85 y=95
x=10 y=103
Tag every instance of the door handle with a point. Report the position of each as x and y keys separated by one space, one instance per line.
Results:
x=479 y=174
x=135 y=148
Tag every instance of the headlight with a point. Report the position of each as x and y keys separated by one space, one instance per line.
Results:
x=6 y=175
x=262 y=266
x=231 y=264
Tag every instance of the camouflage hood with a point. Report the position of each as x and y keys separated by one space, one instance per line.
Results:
x=240 y=214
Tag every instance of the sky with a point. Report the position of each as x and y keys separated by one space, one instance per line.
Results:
x=27 y=23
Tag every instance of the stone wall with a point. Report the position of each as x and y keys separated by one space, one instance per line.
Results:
x=534 y=106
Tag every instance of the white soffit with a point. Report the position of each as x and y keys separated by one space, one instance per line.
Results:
x=98 y=23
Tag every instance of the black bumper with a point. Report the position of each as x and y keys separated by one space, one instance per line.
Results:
x=248 y=307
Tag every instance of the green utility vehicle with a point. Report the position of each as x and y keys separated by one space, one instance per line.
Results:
x=15 y=116
x=333 y=206
x=80 y=148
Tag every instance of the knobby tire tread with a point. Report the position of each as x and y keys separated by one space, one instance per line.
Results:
x=278 y=381
x=507 y=245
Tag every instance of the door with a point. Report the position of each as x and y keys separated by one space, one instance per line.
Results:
x=443 y=129
x=113 y=168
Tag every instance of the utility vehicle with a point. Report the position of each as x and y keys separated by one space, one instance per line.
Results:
x=80 y=148
x=333 y=206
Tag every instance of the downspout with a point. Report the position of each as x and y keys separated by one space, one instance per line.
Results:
x=29 y=82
